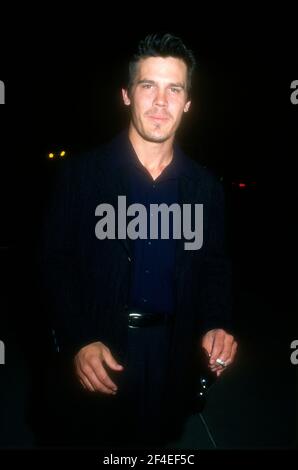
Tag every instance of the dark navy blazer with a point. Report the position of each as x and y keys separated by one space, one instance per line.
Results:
x=86 y=281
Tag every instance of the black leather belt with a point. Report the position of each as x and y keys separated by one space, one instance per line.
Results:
x=140 y=320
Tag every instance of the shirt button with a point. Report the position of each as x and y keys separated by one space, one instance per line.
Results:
x=149 y=243
x=144 y=300
x=153 y=186
x=147 y=271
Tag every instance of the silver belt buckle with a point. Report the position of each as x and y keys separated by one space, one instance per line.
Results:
x=133 y=315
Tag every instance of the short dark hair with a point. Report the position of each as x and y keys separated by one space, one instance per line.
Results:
x=162 y=45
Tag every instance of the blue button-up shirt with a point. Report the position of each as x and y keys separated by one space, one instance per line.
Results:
x=153 y=263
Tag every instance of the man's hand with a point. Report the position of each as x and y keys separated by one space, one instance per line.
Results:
x=89 y=367
x=220 y=346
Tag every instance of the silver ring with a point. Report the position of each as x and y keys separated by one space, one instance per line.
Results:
x=221 y=362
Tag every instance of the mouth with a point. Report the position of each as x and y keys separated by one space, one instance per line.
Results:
x=158 y=118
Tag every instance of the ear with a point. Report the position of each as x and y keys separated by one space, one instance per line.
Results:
x=125 y=97
x=187 y=106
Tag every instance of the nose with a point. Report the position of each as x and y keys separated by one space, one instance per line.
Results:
x=160 y=98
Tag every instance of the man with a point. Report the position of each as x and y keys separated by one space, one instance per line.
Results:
x=132 y=313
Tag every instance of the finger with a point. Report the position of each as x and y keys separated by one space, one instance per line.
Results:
x=98 y=386
x=83 y=385
x=234 y=351
x=83 y=378
x=215 y=367
x=86 y=384
x=217 y=347
x=232 y=355
x=110 y=360
x=215 y=371
x=227 y=348
x=218 y=370
x=207 y=342
x=103 y=376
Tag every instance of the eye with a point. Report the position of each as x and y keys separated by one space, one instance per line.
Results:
x=147 y=86
x=175 y=89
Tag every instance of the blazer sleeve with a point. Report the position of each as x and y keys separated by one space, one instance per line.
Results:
x=216 y=291
x=59 y=267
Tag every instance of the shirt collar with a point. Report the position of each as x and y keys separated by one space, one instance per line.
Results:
x=121 y=153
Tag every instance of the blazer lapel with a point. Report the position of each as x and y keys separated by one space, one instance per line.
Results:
x=187 y=195
x=115 y=184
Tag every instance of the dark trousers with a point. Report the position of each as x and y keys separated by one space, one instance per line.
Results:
x=134 y=417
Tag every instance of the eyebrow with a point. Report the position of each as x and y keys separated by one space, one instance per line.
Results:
x=152 y=82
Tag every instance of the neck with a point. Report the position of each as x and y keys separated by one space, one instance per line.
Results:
x=154 y=156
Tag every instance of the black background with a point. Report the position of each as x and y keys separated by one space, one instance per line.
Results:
x=63 y=84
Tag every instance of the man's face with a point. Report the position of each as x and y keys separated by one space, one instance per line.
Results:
x=158 y=98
